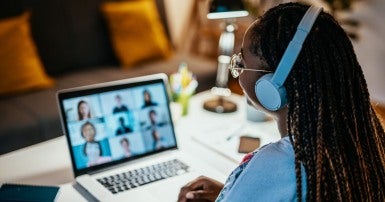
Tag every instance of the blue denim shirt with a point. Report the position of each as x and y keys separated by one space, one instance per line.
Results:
x=268 y=176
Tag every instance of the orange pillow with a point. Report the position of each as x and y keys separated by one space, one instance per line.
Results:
x=20 y=66
x=136 y=31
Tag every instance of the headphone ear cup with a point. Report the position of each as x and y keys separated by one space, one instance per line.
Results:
x=270 y=95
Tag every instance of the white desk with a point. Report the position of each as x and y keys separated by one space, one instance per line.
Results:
x=49 y=163
x=46 y=163
x=214 y=130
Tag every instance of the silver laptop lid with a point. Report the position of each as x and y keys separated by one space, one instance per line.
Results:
x=111 y=123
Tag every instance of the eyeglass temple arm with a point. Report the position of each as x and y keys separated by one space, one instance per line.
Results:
x=254 y=70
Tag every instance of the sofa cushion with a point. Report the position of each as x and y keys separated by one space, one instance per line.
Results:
x=136 y=32
x=20 y=64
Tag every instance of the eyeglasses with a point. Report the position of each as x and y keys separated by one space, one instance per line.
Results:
x=237 y=67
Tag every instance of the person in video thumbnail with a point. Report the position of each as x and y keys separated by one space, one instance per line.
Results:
x=153 y=117
x=120 y=107
x=125 y=144
x=154 y=122
x=84 y=111
x=92 y=149
x=158 y=144
x=147 y=99
x=122 y=129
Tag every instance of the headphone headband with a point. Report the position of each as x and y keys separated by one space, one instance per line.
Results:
x=269 y=88
x=295 y=45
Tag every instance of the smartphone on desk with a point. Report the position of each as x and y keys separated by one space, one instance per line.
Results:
x=248 y=143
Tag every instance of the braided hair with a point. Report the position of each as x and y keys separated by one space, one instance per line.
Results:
x=334 y=131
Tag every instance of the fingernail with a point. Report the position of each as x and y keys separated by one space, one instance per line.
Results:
x=190 y=195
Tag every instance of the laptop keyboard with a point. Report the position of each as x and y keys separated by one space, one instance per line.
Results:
x=138 y=177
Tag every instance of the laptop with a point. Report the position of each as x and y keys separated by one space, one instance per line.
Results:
x=122 y=140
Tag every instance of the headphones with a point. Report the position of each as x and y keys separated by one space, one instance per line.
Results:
x=269 y=88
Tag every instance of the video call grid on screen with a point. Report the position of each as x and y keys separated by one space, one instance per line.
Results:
x=117 y=125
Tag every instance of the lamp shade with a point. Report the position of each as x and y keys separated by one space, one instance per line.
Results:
x=220 y=9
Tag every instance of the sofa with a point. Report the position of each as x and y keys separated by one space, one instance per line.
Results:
x=74 y=45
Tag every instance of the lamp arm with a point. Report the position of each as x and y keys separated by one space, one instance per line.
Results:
x=226 y=48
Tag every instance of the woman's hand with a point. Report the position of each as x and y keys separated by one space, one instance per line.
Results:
x=200 y=189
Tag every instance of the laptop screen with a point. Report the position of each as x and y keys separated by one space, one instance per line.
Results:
x=116 y=122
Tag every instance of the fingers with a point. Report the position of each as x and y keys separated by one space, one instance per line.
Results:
x=201 y=194
x=184 y=190
x=201 y=188
x=196 y=184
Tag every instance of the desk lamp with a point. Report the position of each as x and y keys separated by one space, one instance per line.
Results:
x=227 y=10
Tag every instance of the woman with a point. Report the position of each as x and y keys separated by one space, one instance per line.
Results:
x=147 y=99
x=92 y=149
x=332 y=146
x=84 y=111
x=125 y=144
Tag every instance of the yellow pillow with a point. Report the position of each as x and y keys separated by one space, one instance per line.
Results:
x=20 y=66
x=136 y=31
